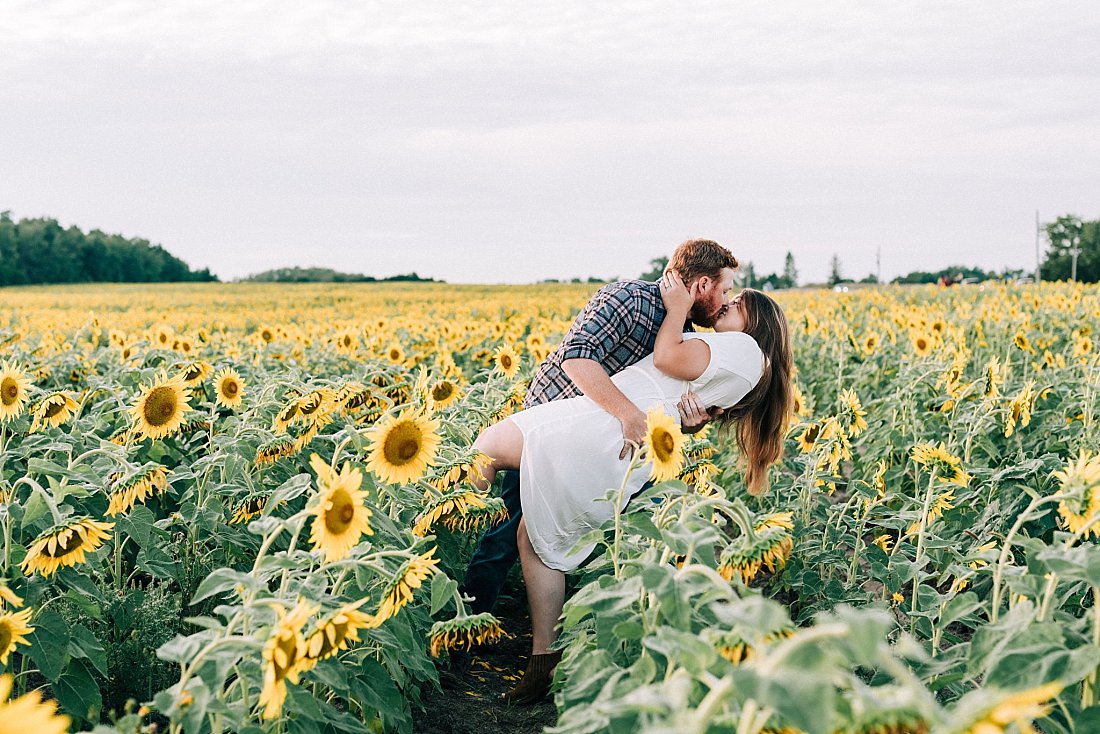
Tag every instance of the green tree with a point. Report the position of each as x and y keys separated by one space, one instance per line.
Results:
x=1066 y=234
x=789 y=279
x=834 y=270
x=657 y=269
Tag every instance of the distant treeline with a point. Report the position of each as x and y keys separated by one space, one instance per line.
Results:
x=327 y=275
x=36 y=251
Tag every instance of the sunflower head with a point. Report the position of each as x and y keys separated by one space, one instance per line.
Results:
x=136 y=488
x=340 y=518
x=158 y=411
x=53 y=410
x=664 y=445
x=194 y=372
x=14 y=385
x=506 y=361
x=283 y=656
x=336 y=633
x=937 y=458
x=443 y=393
x=65 y=545
x=768 y=547
x=229 y=388
x=1079 y=479
x=409 y=577
x=275 y=449
x=29 y=712
x=13 y=627
x=462 y=633
x=402 y=447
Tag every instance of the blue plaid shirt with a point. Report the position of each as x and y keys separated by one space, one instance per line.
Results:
x=617 y=328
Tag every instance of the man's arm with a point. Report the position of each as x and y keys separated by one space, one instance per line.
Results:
x=589 y=376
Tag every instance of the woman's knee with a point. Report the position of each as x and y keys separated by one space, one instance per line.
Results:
x=503 y=442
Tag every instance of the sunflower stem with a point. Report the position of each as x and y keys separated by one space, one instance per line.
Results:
x=920 y=544
x=635 y=462
x=1002 y=559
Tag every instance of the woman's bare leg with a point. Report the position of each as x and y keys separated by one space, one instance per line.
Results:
x=503 y=443
x=545 y=593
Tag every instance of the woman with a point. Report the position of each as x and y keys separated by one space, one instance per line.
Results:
x=567 y=451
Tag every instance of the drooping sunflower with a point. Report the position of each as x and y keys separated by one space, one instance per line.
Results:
x=340 y=519
x=993 y=377
x=282 y=656
x=808 y=437
x=14 y=385
x=851 y=414
x=454 y=507
x=408 y=578
x=769 y=546
x=493 y=512
x=229 y=388
x=1080 y=480
x=1019 y=408
x=29 y=713
x=138 y=487
x=13 y=627
x=664 y=445
x=403 y=447
x=65 y=545
x=194 y=372
x=462 y=633
x=735 y=648
x=287 y=415
x=248 y=508
x=53 y=410
x=936 y=509
x=275 y=449
x=946 y=465
x=158 y=411
x=336 y=633
x=465 y=470
x=506 y=361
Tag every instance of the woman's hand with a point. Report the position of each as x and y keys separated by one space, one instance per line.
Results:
x=693 y=416
x=675 y=295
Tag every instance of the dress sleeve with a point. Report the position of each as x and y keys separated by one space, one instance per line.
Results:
x=735 y=361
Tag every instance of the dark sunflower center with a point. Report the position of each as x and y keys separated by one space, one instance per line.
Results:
x=290 y=649
x=663 y=444
x=9 y=391
x=64 y=549
x=402 y=444
x=506 y=361
x=442 y=391
x=811 y=433
x=160 y=406
x=922 y=344
x=54 y=408
x=339 y=516
x=230 y=388
x=6 y=636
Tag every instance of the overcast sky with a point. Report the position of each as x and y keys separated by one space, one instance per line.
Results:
x=512 y=141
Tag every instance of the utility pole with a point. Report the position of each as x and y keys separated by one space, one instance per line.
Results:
x=878 y=264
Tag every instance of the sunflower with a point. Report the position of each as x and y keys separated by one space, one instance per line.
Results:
x=315 y=407
x=851 y=413
x=65 y=544
x=53 y=410
x=248 y=508
x=443 y=393
x=799 y=405
x=403 y=447
x=451 y=508
x=229 y=388
x=736 y=649
x=194 y=372
x=935 y=509
x=1019 y=408
x=158 y=411
x=506 y=361
x=282 y=656
x=922 y=344
x=994 y=376
x=870 y=343
x=1080 y=480
x=943 y=462
x=664 y=445
x=137 y=488
x=466 y=470
x=808 y=437
x=350 y=396
x=768 y=546
x=1021 y=342
x=408 y=578
x=340 y=519
x=491 y=513
x=462 y=633
x=14 y=384
x=29 y=712
x=395 y=353
x=275 y=449
x=1020 y=708
x=13 y=625
x=7 y=596
x=335 y=633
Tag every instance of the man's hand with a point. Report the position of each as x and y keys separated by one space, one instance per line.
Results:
x=693 y=415
x=634 y=429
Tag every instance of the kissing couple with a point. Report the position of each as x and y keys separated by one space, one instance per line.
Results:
x=632 y=349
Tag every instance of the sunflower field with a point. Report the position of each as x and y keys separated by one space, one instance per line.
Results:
x=244 y=508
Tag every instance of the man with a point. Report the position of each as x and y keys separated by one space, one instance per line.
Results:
x=615 y=329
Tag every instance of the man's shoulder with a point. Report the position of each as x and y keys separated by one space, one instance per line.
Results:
x=625 y=289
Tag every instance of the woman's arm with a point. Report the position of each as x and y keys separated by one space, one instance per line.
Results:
x=672 y=354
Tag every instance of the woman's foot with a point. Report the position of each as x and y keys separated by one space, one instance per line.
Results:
x=536 y=680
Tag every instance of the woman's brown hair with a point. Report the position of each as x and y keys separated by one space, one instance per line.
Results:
x=762 y=415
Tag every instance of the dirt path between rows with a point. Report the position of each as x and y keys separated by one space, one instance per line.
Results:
x=495 y=669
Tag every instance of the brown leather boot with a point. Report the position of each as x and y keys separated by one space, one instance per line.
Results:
x=536 y=680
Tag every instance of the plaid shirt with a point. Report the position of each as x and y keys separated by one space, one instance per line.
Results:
x=617 y=328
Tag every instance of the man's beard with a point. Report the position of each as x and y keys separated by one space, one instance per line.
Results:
x=701 y=317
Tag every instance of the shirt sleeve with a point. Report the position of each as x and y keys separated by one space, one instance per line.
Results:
x=603 y=327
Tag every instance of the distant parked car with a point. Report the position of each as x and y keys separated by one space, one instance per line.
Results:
x=840 y=288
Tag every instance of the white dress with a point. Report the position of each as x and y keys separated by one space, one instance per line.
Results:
x=571 y=447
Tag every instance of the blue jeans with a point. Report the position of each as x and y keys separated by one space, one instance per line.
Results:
x=496 y=552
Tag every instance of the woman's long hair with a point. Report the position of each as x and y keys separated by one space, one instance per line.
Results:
x=763 y=415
